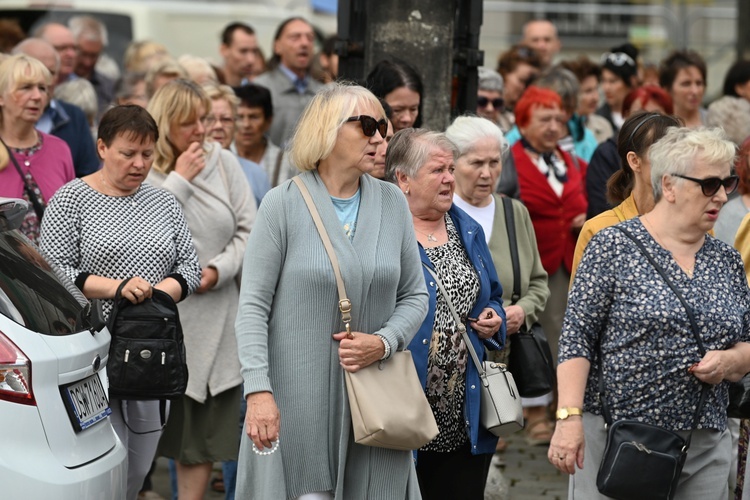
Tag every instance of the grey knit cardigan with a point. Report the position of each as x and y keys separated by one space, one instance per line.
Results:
x=289 y=310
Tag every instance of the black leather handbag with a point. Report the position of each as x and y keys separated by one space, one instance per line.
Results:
x=530 y=359
x=643 y=461
x=147 y=354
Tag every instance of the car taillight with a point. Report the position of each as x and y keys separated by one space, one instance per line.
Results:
x=15 y=374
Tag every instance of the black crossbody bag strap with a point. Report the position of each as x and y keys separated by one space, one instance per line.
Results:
x=38 y=207
x=693 y=325
x=510 y=224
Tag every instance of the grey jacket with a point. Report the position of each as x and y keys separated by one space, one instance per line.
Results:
x=288 y=104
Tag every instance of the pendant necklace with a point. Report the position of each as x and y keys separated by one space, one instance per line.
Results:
x=430 y=237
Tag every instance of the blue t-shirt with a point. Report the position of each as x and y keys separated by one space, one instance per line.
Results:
x=347 y=210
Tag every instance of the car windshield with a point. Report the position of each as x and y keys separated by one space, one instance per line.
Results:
x=36 y=294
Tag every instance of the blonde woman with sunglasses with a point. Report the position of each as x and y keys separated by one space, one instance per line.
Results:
x=298 y=440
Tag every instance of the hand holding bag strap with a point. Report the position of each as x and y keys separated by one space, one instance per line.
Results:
x=510 y=224
x=459 y=323
x=693 y=325
x=345 y=305
x=38 y=207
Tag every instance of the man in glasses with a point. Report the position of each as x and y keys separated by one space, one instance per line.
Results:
x=541 y=35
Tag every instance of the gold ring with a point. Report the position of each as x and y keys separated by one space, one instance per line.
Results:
x=136 y=290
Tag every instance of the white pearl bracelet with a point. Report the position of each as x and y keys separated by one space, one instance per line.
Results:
x=258 y=452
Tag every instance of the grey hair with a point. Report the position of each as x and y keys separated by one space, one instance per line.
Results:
x=89 y=27
x=733 y=115
x=489 y=80
x=465 y=131
x=563 y=82
x=81 y=93
x=410 y=148
x=677 y=152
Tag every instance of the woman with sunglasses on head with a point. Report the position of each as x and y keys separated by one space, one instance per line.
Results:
x=220 y=208
x=619 y=76
x=293 y=344
x=624 y=323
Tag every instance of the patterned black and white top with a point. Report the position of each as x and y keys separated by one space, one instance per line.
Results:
x=86 y=232
x=446 y=364
x=619 y=300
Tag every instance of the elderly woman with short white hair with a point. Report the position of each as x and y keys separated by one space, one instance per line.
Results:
x=482 y=151
x=626 y=325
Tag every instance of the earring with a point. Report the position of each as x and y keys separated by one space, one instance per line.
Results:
x=406 y=192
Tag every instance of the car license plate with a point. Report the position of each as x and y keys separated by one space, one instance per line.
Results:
x=86 y=402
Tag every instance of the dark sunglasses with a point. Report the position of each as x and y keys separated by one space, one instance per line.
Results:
x=710 y=185
x=370 y=125
x=497 y=103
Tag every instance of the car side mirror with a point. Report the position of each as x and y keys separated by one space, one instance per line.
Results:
x=96 y=317
x=12 y=213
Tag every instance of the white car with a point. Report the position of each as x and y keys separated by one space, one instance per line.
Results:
x=56 y=440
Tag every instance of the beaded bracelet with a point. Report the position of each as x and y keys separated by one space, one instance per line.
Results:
x=275 y=447
x=387 y=347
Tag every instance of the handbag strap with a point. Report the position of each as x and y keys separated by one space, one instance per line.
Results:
x=693 y=326
x=36 y=203
x=510 y=224
x=345 y=305
x=459 y=324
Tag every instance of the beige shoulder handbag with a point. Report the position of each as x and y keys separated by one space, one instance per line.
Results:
x=388 y=405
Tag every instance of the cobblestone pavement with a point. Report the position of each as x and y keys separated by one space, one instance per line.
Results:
x=526 y=475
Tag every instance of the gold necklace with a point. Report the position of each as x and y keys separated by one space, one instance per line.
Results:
x=687 y=270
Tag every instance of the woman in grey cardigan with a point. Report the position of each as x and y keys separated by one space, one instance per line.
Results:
x=481 y=145
x=298 y=440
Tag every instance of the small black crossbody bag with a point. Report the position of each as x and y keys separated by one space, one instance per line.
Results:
x=643 y=461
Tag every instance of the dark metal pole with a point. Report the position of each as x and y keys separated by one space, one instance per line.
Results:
x=420 y=32
x=743 y=34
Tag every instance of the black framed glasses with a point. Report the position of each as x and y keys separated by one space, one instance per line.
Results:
x=710 y=185
x=370 y=125
x=483 y=101
x=618 y=59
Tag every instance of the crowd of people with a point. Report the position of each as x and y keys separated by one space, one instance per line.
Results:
x=175 y=174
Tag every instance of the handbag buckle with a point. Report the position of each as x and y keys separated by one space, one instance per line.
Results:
x=345 y=305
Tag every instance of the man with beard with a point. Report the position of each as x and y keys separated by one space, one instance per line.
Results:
x=289 y=80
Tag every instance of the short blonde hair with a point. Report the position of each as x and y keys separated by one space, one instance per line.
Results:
x=318 y=127
x=14 y=72
x=217 y=92
x=176 y=102
x=166 y=67
x=140 y=55
x=198 y=69
x=19 y=69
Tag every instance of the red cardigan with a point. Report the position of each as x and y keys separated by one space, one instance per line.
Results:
x=551 y=215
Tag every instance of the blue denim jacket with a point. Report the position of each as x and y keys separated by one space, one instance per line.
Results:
x=490 y=295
